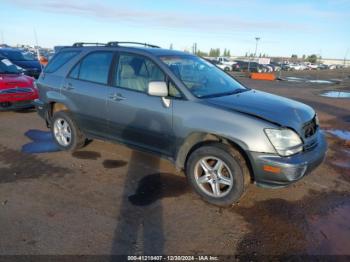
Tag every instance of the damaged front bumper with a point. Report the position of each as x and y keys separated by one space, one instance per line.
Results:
x=272 y=170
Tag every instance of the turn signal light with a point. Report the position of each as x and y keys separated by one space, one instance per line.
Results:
x=272 y=169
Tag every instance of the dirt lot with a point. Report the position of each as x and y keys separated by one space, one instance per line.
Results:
x=108 y=199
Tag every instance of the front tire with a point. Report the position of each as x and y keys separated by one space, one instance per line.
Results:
x=66 y=133
x=217 y=173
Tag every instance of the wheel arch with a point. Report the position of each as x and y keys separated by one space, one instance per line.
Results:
x=197 y=140
x=52 y=107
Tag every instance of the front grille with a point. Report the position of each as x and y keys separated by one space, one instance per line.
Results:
x=16 y=90
x=310 y=128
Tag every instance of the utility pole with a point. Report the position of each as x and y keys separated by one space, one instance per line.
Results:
x=37 y=48
x=256 y=45
x=256 y=49
x=194 y=48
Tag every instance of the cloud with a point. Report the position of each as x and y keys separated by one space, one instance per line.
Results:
x=161 y=19
x=308 y=9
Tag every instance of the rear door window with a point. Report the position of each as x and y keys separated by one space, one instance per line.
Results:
x=59 y=60
x=93 y=68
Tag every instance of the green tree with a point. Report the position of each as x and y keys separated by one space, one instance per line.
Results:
x=214 y=52
x=211 y=52
x=200 y=53
x=171 y=46
x=312 y=58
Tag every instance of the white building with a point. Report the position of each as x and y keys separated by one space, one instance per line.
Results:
x=331 y=61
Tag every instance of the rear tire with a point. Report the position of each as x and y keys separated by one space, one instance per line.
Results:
x=217 y=172
x=66 y=133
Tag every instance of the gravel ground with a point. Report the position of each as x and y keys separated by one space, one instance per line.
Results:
x=108 y=199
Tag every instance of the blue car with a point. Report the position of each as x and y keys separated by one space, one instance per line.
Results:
x=30 y=64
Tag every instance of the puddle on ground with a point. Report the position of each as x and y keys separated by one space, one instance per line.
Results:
x=347 y=152
x=281 y=227
x=294 y=79
x=43 y=142
x=342 y=163
x=90 y=155
x=114 y=163
x=17 y=166
x=342 y=134
x=346 y=118
x=332 y=231
x=320 y=82
x=336 y=94
x=311 y=81
x=156 y=186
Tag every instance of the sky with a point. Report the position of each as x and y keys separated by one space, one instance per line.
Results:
x=285 y=27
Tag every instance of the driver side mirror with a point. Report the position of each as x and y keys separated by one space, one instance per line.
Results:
x=158 y=88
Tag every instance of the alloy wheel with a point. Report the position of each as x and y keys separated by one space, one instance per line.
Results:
x=213 y=176
x=62 y=132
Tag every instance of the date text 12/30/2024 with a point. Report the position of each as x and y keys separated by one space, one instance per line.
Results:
x=172 y=258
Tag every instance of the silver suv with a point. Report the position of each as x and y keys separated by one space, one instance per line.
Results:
x=179 y=106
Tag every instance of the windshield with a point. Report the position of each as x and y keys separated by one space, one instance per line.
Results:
x=6 y=67
x=202 y=78
x=17 y=55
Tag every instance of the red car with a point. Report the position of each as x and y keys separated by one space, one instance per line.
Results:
x=17 y=91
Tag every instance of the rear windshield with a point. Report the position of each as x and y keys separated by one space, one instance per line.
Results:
x=59 y=60
x=6 y=67
x=15 y=55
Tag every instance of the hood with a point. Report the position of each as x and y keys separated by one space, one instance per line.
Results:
x=28 y=64
x=13 y=81
x=273 y=108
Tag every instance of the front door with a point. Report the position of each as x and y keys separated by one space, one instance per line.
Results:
x=134 y=117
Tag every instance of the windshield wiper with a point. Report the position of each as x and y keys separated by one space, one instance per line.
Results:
x=234 y=92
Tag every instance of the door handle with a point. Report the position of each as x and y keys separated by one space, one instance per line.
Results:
x=116 y=97
x=68 y=86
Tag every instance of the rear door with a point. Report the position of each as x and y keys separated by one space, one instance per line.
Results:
x=86 y=89
x=134 y=117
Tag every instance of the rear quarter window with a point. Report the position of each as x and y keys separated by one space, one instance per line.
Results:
x=59 y=60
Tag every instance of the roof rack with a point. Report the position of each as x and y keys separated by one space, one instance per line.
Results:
x=80 y=44
x=115 y=43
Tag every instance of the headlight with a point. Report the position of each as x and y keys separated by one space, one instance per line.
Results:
x=285 y=141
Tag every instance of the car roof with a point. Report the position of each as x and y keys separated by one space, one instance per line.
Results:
x=153 y=51
x=10 y=49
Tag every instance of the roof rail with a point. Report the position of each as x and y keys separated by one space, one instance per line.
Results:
x=116 y=43
x=80 y=44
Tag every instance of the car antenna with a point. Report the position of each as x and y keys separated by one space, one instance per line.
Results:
x=37 y=48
